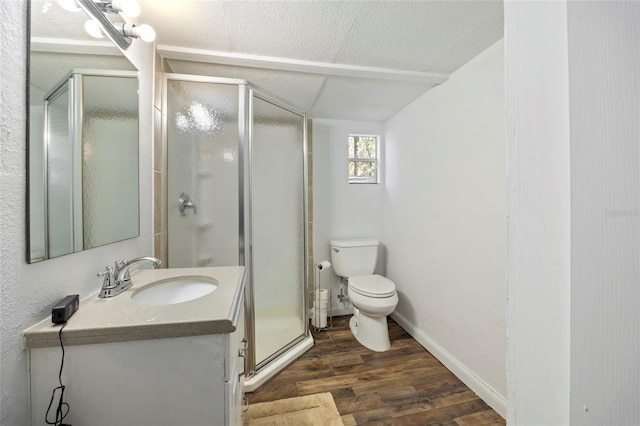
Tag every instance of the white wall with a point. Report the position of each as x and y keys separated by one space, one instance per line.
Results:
x=604 y=70
x=29 y=291
x=445 y=222
x=539 y=222
x=340 y=209
x=574 y=221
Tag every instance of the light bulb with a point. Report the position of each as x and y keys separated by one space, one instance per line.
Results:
x=69 y=5
x=129 y=8
x=93 y=29
x=146 y=32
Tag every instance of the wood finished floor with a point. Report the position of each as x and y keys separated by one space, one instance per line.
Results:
x=403 y=386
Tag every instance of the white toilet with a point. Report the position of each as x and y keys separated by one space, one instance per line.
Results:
x=373 y=296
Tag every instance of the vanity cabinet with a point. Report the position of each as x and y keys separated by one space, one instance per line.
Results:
x=195 y=379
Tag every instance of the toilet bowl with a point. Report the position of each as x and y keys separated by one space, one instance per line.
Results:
x=373 y=296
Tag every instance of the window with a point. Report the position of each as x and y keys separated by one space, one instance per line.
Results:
x=363 y=159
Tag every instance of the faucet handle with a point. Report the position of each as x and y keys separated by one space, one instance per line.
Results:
x=108 y=277
x=108 y=270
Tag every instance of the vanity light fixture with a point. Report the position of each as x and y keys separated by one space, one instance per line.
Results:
x=92 y=27
x=119 y=33
x=129 y=8
x=144 y=32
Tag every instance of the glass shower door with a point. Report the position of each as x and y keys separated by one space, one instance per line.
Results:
x=277 y=228
x=236 y=196
x=202 y=186
x=109 y=107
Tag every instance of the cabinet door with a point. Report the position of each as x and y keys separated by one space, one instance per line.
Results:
x=234 y=374
x=235 y=393
x=236 y=348
x=163 y=382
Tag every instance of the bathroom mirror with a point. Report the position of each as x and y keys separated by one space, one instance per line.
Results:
x=82 y=136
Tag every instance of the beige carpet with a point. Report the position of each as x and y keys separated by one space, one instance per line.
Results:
x=310 y=410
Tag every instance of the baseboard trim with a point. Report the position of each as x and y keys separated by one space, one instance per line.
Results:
x=483 y=390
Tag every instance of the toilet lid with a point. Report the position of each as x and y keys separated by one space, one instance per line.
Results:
x=372 y=286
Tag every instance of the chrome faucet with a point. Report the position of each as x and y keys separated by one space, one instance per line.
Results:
x=116 y=280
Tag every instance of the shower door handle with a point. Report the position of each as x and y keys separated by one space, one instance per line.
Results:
x=244 y=345
x=184 y=202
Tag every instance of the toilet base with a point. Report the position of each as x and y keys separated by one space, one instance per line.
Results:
x=371 y=332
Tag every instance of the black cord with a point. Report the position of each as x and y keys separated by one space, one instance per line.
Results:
x=63 y=408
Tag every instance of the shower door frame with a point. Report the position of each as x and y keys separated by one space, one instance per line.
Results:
x=246 y=92
x=251 y=367
x=72 y=87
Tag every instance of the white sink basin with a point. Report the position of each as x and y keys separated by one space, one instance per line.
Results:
x=175 y=290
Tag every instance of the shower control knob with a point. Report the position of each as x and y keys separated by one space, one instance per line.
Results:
x=184 y=202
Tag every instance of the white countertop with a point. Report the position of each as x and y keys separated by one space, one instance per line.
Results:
x=120 y=319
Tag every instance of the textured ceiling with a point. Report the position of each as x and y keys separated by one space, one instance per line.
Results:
x=421 y=36
x=395 y=37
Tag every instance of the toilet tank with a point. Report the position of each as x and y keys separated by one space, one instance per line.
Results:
x=351 y=258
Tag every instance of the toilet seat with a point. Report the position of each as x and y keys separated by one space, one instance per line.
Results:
x=375 y=286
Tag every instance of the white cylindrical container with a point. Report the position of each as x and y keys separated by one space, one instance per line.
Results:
x=321 y=298
x=323 y=265
x=324 y=306
x=319 y=317
x=322 y=295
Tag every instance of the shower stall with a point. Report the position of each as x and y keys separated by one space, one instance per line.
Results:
x=237 y=195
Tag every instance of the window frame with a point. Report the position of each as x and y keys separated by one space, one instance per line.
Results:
x=376 y=161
